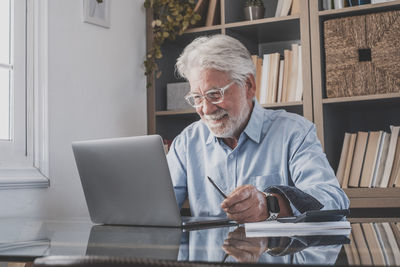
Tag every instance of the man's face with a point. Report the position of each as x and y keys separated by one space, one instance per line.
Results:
x=225 y=119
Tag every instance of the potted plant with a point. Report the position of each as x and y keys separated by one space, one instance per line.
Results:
x=170 y=18
x=254 y=9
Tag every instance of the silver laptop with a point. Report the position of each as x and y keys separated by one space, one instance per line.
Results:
x=126 y=181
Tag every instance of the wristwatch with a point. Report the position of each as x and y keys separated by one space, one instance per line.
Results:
x=272 y=206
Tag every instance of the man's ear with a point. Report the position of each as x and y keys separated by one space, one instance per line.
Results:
x=250 y=86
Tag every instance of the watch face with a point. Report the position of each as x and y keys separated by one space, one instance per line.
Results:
x=273 y=204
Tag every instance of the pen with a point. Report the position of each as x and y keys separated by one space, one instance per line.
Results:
x=217 y=187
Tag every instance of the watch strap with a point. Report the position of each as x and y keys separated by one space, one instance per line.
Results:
x=272 y=206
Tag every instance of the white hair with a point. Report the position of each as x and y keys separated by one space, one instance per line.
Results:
x=220 y=52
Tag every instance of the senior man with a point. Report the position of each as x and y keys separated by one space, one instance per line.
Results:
x=250 y=152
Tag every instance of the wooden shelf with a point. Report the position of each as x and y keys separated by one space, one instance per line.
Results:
x=175 y=112
x=284 y=104
x=360 y=98
x=358 y=9
x=373 y=197
x=203 y=29
x=261 y=21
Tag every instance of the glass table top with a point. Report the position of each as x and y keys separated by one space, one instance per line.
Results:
x=370 y=242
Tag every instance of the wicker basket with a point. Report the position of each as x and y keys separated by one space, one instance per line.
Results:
x=362 y=54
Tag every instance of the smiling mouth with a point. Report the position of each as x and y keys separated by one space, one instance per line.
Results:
x=217 y=120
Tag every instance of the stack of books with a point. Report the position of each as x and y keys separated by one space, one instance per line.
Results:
x=370 y=159
x=374 y=244
x=279 y=79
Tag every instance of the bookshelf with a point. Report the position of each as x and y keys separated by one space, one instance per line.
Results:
x=267 y=35
x=332 y=116
x=335 y=116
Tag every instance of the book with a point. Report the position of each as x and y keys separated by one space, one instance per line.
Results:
x=279 y=8
x=384 y=242
x=390 y=157
x=354 y=252
x=396 y=164
x=295 y=7
x=299 y=83
x=343 y=158
x=327 y=4
x=373 y=244
x=211 y=13
x=286 y=5
x=273 y=77
x=287 y=58
x=293 y=72
x=396 y=232
x=349 y=248
x=264 y=79
x=254 y=58
x=338 y=4
x=280 y=81
x=349 y=160
x=392 y=243
x=382 y=156
x=397 y=178
x=361 y=244
x=358 y=159
x=258 y=77
x=371 y=154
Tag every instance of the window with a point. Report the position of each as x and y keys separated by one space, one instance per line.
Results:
x=13 y=144
x=5 y=68
x=23 y=127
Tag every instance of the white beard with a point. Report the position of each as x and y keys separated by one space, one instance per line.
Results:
x=227 y=128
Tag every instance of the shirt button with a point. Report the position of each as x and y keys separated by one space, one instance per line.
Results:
x=231 y=156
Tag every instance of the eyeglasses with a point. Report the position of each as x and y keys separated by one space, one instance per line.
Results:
x=214 y=96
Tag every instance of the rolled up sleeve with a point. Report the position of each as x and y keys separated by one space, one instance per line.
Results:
x=311 y=173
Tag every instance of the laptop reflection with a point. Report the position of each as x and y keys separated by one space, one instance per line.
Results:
x=134 y=242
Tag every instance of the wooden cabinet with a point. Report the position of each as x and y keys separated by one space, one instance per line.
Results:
x=268 y=35
x=335 y=116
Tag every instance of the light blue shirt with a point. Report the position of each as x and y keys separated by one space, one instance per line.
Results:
x=275 y=148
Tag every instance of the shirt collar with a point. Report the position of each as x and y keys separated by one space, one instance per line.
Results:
x=253 y=128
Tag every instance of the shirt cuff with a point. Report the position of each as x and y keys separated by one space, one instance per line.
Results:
x=300 y=200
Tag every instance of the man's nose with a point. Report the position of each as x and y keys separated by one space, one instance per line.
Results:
x=208 y=107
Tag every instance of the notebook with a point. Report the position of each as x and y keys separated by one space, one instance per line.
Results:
x=126 y=181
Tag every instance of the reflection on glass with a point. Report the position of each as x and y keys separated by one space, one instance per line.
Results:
x=232 y=245
x=374 y=244
x=4 y=104
x=134 y=242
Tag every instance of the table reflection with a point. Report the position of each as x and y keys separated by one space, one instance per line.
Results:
x=232 y=245
x=370 y=243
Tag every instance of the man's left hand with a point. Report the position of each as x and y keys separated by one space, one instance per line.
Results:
x=246 y=204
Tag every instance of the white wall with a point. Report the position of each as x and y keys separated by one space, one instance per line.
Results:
x=96 y=90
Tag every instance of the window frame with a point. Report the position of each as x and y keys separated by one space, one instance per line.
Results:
x=34 y=171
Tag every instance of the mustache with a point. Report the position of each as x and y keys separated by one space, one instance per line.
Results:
x=216 y=115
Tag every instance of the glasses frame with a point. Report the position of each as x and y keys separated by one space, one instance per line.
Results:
x=204 y=96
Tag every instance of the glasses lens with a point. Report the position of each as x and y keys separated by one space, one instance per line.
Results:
x=214 y=96
x=194 y=100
